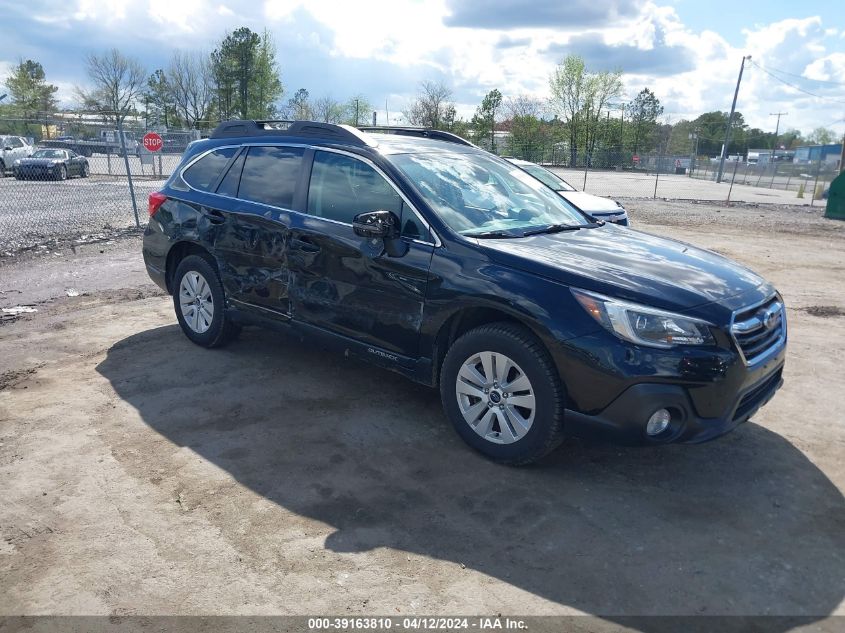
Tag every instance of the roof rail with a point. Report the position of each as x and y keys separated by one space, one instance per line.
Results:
x=424 y=132
x=315 y=129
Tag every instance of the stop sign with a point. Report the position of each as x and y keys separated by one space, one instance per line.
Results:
x=152 y=142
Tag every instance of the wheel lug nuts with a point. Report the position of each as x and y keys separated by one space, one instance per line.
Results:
x=486 y=390
x=490 y=405
x=505 y=395
x=502 y=407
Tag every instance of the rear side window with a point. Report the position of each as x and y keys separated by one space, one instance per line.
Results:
x=229 y=185
x=204 y=173
x=270 y=175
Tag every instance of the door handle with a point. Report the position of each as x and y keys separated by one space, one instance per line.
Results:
x=304 y=245
x=215 y=217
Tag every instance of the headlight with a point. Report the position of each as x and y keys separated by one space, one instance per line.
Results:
x=644 y=325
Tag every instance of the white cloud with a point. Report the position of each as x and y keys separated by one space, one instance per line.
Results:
x=386 y=47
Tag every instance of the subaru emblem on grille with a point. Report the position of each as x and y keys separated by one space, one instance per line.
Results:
x=768 y=317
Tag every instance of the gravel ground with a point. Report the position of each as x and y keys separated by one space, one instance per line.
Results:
x=143 y=474
x=34 y=213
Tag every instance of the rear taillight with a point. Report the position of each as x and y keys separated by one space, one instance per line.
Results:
x=156 y=199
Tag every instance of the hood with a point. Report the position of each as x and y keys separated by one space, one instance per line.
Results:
x=628 y=264
x=588 y=203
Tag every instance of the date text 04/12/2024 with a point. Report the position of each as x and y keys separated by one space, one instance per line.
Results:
x=416 y=623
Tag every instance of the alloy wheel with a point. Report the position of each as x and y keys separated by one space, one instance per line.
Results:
x=495 y=397
x=196 y=302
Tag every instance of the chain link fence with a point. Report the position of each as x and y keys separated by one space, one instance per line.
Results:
x=66 y=179
x=624 y=174
x=59 y=199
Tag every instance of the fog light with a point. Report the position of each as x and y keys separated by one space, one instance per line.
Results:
x=658 y=422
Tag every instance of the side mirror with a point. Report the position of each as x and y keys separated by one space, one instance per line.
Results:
x=376 y=224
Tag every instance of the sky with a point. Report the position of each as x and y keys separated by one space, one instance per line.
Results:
x=687 y=51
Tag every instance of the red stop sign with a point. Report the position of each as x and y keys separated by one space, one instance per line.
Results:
x=152 y=142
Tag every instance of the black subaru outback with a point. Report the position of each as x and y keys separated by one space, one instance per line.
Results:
x=426 y=255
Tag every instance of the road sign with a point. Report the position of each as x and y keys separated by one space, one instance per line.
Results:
x=152 y=142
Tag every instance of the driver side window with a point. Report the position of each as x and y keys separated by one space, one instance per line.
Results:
x=341 y=187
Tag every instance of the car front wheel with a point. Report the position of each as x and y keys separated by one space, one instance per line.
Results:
x=200 y=304
x=501 y=391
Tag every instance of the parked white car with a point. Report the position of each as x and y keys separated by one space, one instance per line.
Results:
x=600 y=208
x=12 y=148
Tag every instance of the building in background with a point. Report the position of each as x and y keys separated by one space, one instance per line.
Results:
x=828 y=154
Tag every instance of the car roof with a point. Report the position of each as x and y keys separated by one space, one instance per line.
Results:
x=385 y=140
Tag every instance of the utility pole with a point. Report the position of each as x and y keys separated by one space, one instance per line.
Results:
x=777 y=129
x=730 y=121
x=694 y=137
x=842 y=156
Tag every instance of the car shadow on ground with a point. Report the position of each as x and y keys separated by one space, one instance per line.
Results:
x=742 y=525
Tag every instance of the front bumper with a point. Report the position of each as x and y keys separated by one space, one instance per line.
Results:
x=624 y=419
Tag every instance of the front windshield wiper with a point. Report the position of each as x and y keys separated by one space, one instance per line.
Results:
x=557 y=228
x=491 y=235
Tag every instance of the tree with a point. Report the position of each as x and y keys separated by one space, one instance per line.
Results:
x=524 y=121
x=643 y=112
x=432 y=107
x=118 y=82
x=29 y=91
x=191 y=87
x=484 y=120
x=299 y=107
x=327 y=110
x=358 y=111
x=157 y=98
x=266 y=87
x=822 y=136
x=578 y=97
x=245 y=75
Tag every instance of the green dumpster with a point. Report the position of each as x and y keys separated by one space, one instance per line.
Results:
x=836 y=198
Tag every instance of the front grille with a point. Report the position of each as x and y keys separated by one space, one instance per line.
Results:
x=758 y=395
x=759 y=329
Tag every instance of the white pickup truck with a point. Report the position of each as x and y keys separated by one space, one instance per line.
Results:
x=12 y=148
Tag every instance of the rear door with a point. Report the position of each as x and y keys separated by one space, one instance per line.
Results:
x=347 y=284
x=259 y=192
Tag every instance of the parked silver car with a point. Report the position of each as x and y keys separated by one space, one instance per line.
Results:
x=12 y=148
x=600 y=208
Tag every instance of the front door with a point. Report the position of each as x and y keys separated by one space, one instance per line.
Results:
x=347 y=284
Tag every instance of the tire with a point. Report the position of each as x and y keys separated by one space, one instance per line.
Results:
x=2 y=169
x=528 y=433
x=62 y=175
x=207 y=324
x=86 y=170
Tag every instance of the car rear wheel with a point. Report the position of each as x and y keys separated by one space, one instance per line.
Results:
x=200 y=303
x=501 y=391
x=62 y=173
x=2 y=169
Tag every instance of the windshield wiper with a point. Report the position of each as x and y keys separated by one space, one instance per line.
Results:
x=557 y=228
x=491 y=235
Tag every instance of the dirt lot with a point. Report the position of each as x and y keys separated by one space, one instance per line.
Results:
x=142 y=474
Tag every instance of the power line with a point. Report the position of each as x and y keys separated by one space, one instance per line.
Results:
x=798 y=88
x=821 y=81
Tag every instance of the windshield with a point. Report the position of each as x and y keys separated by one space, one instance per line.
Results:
x=475 y=192
x=48 y=153
x=548 y=178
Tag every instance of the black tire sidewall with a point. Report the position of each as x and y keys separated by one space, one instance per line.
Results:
x=548 y=418
x=215 y=334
